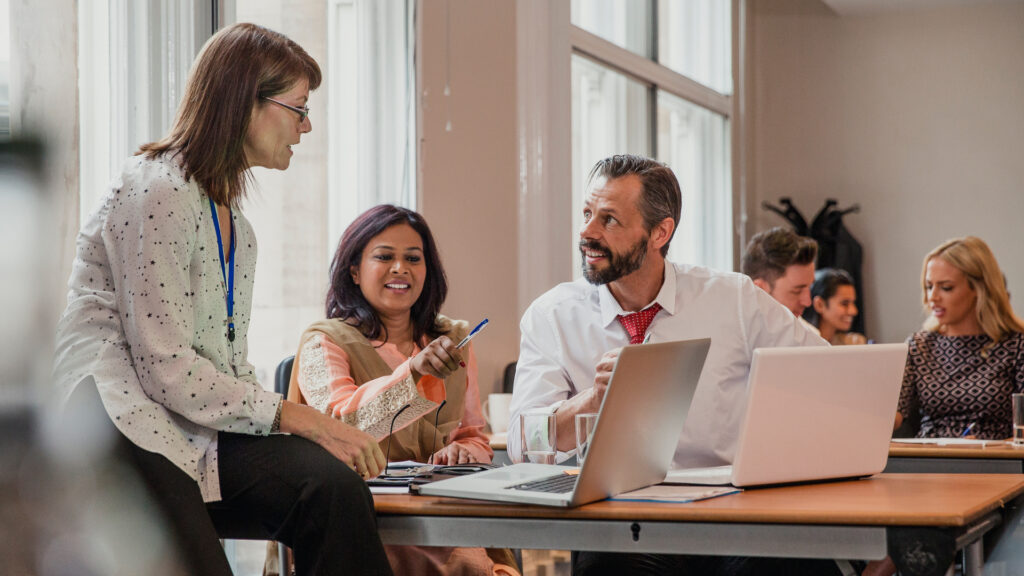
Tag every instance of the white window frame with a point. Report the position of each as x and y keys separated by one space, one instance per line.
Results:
x=545 y=40
x=660 y=78
x=134 y=58
x=373 y=90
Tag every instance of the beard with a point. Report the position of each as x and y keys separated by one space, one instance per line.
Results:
x=619 y=265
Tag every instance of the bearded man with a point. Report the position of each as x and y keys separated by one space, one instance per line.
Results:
x=572 y=334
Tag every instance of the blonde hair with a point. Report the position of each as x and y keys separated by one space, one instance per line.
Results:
x=973 y=257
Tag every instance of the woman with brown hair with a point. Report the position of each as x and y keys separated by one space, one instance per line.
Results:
x=386 y=360
x=968 y=359
x=157 y=320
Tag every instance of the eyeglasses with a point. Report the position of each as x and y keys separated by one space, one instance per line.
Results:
x=302 y=112
x=434 y=441
x=387 y=455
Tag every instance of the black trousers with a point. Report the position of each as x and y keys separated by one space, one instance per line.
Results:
x=277 y=487
x=607 y=563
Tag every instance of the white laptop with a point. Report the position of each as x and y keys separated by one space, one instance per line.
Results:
x=634 y=440
x=813 y=413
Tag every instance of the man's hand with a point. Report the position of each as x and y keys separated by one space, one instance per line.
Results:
x=440 y=358
x=585 y=402
x=604 y=375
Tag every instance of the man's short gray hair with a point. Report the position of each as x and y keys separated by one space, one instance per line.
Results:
x=661 y=197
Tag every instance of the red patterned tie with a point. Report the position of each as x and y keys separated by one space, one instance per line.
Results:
x=636 y=323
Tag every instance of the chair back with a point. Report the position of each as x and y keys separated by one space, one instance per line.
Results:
x=510 y=378
x=283 y=375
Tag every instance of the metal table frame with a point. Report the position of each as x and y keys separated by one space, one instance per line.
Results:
x=915 y=550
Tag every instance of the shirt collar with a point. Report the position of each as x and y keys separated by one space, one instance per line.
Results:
x=666 y=297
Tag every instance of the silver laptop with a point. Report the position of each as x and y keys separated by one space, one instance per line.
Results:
x=813 y=413
x=635 y=437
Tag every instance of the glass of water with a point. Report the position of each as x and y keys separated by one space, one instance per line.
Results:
x=584 y=431
x=537 y=430
x=1018 y=420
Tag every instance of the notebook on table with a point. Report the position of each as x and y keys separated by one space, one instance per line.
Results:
x=813 y=413
x=634 y=440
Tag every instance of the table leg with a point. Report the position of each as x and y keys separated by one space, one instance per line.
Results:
x=974 y=559
x=921 y=551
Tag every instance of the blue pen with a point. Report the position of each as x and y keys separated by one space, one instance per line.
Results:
x=967 y=430
x=472 y=334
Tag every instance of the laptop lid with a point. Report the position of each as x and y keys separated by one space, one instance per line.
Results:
x=816 y=413
x=634 y=439
x=641 y=418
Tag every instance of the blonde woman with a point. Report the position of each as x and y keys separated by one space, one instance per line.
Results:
x=968 y=359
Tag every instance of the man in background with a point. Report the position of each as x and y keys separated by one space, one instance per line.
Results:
x=782 y=264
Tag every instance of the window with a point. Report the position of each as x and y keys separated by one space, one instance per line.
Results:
x=133 y=60
x=655 y=79
x=360 y=153
x=5 y=70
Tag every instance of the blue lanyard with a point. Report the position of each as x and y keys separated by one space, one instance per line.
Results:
x=229 y=291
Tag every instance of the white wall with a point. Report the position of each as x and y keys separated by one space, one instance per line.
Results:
x=916 y=115
x=468 y=175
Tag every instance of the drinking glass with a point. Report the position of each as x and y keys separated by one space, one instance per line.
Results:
x=1018 y=420
x=537 y=430
x=584 y=431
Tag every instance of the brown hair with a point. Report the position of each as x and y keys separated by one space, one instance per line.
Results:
x=769 y=253
x=238 y=65
x=345 y=299
x=661 y=197
x=975 y=259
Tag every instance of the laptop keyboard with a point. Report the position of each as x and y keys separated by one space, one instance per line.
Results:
x=559 y=484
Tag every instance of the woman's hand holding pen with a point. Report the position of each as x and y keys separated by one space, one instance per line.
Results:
x=439 y=358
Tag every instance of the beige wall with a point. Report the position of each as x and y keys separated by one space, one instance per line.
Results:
x=918 y=116
x=468 y=175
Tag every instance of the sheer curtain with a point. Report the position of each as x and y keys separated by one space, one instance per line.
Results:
x=360 y=153
x=133 y=59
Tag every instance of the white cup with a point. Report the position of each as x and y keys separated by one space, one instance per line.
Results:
x=496 y=412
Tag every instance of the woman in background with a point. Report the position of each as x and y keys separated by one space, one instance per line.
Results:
x=969 y=358
x=385 y=360
x=156 y=329
x=834 y=306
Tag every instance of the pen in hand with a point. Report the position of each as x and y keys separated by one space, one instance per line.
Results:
x=473 y=333
x=967 y=430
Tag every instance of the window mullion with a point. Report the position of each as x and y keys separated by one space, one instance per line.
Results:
x=647 y=71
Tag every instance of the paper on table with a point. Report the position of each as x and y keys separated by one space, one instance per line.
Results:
x=949 y=441
x=675 y=493
x=389 y=489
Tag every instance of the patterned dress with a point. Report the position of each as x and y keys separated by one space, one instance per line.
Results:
x=954 y=381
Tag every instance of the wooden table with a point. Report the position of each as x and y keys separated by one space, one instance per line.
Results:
x=921 y=520
x=955 y=459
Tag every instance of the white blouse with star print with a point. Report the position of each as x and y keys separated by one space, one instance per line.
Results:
x=146 y=320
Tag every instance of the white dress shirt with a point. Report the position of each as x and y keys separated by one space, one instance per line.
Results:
x=567 y=330
x=147 y=321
